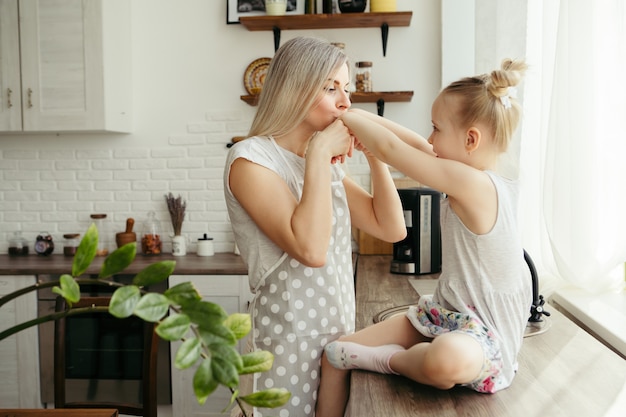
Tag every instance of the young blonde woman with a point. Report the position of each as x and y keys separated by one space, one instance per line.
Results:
x=470 y=331
x=291 y=208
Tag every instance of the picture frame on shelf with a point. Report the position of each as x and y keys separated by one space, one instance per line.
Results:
x=243 y=8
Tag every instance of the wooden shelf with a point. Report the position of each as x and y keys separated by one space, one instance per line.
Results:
x=378 y=97
x=328 y=21
x=251 y=99
x=388 y=96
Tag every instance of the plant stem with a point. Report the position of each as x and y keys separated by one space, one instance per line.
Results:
x=50 y=317
x=36 y=287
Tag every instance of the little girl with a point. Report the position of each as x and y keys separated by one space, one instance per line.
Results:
x=470 y=331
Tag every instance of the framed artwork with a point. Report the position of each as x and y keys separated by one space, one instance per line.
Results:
x=242 y=8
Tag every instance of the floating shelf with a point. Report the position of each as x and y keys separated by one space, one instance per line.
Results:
x=374 y=96
x=327 y=21
x=378 y=97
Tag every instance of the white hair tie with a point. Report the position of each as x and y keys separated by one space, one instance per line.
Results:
x=511 y=92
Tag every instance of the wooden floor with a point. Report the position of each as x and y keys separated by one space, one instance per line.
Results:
x=563 y=372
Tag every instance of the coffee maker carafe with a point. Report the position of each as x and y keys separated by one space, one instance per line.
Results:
x=420 y=252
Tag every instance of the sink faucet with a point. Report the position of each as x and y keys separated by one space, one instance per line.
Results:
x=536 y=309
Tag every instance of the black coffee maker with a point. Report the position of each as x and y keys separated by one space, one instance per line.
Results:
x=420 y=252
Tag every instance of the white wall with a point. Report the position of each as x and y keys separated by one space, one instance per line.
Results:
x=188 y=67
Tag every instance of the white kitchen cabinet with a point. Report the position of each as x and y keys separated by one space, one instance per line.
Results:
x=65 y=66
x=19 y=354
x=233 y=294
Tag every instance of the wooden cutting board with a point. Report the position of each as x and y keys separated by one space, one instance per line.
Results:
x=368 y=244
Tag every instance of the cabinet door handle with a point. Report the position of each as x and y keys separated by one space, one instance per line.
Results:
x=9 y=104
x=30 y=95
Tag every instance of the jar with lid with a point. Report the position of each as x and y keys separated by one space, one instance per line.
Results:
x=151 y=243
x=70 y=245
x=18 y=246
x=205 y=246
x=44 y=245
x=100 y=220
x=363 y=77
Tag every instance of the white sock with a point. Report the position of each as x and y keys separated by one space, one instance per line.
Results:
x=348 y=355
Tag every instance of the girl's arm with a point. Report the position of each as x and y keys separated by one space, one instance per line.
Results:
x=471 y=192
x=405 y=134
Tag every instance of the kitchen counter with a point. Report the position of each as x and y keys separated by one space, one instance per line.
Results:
x=562 y=372
x=218 y=264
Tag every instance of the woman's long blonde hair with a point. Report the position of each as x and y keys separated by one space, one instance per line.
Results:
x=489 y=99
x=297 y=75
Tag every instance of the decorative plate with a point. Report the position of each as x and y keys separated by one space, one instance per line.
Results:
x=254 y=76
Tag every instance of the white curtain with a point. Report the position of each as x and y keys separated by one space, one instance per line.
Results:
x=573 y=148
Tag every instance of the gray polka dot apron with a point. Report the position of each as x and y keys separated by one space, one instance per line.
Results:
x=298 y=309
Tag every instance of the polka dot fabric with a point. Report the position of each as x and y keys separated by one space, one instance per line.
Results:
x=299 y=309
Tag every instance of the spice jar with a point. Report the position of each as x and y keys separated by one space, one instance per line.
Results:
x=70 y=244
x=103 y=234
x=18 y=246
x=151 y=237
x=363 y=77
x=44 y=244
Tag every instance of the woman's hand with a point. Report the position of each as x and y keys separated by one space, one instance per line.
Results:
x=334 y=139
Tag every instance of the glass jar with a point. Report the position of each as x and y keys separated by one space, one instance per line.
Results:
x=44 y=244
x=103 y=234
x=70 y=245
x=18 y=246
x=151 y=243
x=363 y=77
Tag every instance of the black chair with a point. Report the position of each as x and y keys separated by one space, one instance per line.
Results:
x=97 y=349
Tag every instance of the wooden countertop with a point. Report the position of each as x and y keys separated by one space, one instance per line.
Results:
x=563 y=372
x=218 y=264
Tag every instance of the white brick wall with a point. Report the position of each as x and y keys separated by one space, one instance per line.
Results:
x=56 y=191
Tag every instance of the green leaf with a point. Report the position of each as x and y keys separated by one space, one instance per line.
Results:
x=201 y=312
x=203 y=382
x=86 y=251
x=188 y=353
x=228 y=353
x=154 y=273
x=269 y=398
x=257 y=361
x=183 y=294
x=215 y=332
x=239 y=323
x=173 y=327
x=118 y=260
x=152 y=307
x=124 y=300
x=70 y=290
x=225 y=372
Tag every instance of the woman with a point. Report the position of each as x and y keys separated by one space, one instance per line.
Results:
x=292 y=209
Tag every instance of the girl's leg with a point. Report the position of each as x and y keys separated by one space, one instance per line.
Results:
x=395 y=346
x=396 y=330
x=450 y=359
x=334 y=387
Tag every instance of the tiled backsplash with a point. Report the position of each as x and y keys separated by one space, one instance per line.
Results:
x=56 y=191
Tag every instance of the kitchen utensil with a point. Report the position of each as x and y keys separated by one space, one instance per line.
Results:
x=128 y=236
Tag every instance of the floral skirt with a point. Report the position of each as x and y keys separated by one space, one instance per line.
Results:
x=432 y=320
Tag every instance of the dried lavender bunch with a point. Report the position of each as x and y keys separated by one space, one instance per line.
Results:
x=176 y=207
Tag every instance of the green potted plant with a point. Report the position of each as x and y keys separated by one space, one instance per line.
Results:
x=209 y=336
